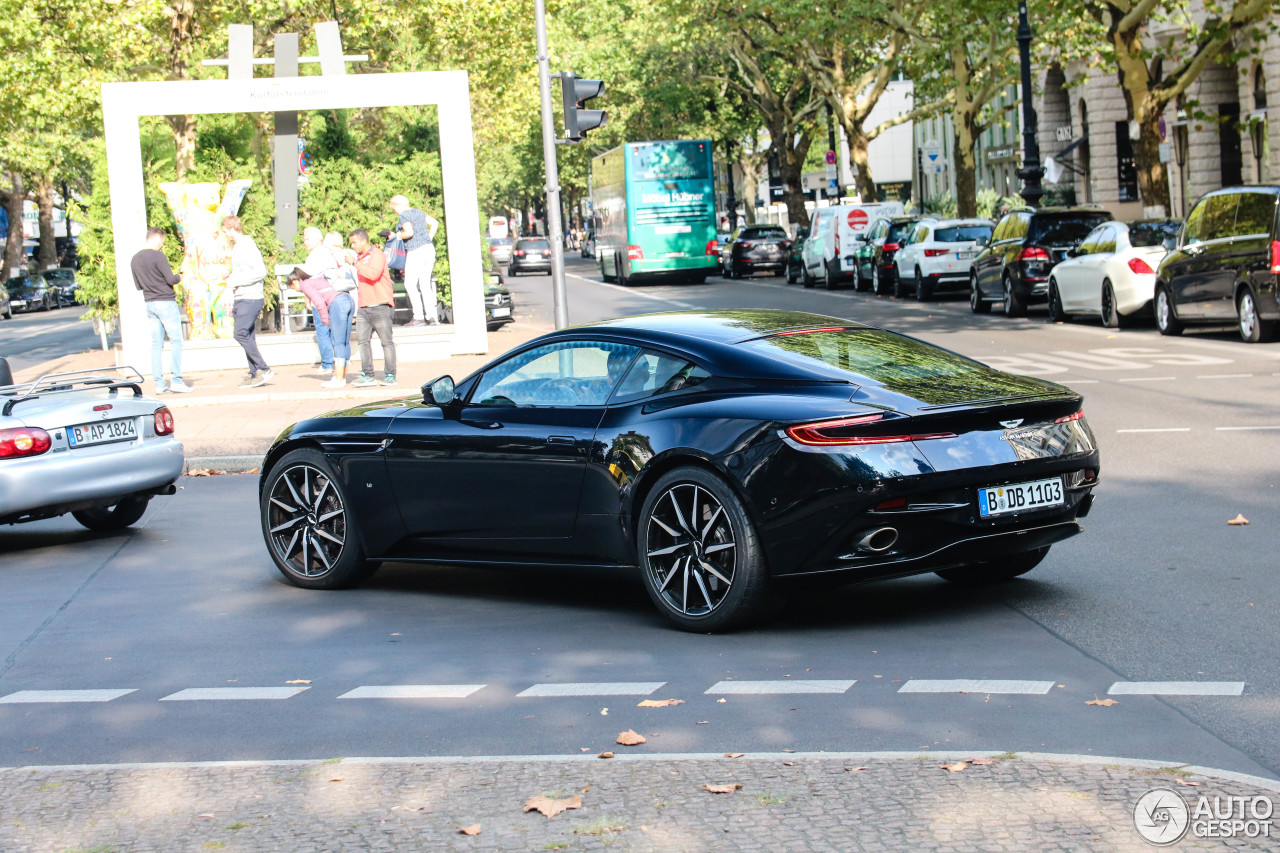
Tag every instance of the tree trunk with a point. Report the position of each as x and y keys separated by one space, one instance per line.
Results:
x=790 y=163
x=858 y=156
x=750 y=189
x=13 y=257
x=184 y=142
x=966 y=165
x=47 y=253
x=1153 y=177
x=181 y=38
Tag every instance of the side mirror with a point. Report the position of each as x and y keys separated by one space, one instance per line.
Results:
x=439 y=392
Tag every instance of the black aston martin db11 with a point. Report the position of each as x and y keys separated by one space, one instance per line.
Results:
x=722 y=453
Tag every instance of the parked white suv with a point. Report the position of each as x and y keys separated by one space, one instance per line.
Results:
x=937 y=255
x=835 y=235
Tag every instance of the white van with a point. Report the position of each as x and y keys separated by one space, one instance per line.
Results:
x=834 y=236
x=498 y=229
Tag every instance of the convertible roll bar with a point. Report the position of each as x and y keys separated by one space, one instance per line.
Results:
x=68 y=382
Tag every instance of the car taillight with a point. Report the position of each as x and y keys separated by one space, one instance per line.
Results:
x=493 y=248
x=635 y=253
x=713 y=247
x=747 y=245
x=786 y=244
x=933 y=253
x=837 y=243
x=546 y=253
x=1066 y=419
x=890 y=247
x=1275 y=256
x=832 y=433
x=519 y=253
x=164 y=421
x=23 y=441
x=1033 y=253
x=1141 y=267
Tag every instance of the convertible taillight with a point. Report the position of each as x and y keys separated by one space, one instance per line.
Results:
x=164 y=421
x=835 y=433
x=1069 y=418
x=1141 y=267
x=23 y=441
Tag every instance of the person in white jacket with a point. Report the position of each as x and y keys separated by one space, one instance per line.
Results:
x=247 y=273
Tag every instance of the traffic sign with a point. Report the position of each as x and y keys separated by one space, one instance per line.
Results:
x=858 y=219
x=831 y=157
x=931 y=158
x=1163 y=128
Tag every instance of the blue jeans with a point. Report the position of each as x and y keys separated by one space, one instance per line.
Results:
x=323 y=340
x=341 y=310
x=166 y=319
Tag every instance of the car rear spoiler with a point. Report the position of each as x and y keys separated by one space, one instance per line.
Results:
x=73 y=380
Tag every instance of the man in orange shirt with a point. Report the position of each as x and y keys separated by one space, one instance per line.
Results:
x=376 y=301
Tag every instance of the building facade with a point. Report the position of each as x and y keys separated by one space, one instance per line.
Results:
x=998 y=153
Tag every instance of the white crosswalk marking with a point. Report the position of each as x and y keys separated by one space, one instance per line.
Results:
x=32 y=696
x=787 y=686
x=1176 y=688
x=195 y=694
x=595 y=688
x=962 y=685
x=413 y=691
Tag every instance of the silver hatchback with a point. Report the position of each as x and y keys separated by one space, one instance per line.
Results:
x=85 y=442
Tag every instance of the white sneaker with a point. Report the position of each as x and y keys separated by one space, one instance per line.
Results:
x=181 y=388
x=335 y=382
x=268 y=375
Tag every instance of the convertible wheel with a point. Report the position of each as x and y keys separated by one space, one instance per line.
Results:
x=977 y=304
x=1111 y=316
x=994 y=571
x=117 y=517
x=1253 y=329
x=310 y=534
x=1056 y=313
x=698 y=552
x=1166 y=321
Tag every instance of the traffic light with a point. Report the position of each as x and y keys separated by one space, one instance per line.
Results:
x=576 y=92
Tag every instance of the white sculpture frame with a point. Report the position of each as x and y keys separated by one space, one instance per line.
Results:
x=124 y=104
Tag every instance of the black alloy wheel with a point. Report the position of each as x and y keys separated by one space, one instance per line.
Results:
x=791 y=275
x=1166 y=320
x=994 y=571
x=1253 y=329
x=977 y=304
x=1056 y=312
x=806 y=278
x=311 y=536
x=699 y=556
x=1111 y=317
x=924 y=292
x=1014 y=305
x=117 y=517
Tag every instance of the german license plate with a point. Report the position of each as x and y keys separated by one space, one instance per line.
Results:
x=998 y=500
x=502 y=312
x=964 y=256
x=121 y=429
x=848 y=260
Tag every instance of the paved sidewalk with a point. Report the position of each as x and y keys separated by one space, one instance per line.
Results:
x=800 y=803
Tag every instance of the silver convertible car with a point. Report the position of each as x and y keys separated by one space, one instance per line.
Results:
x=85 y=442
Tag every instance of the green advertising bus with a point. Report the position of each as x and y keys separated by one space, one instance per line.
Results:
x=655 y=211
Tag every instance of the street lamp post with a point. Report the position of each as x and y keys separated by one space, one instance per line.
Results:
x=555 y=232
x=1031 y=171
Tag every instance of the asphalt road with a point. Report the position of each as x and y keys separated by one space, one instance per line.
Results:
x=1158 y=589
x=45 y=336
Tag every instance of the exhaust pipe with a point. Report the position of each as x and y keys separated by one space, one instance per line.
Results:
x=878 y=541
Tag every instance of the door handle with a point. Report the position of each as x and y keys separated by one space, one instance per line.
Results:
x=561 y=439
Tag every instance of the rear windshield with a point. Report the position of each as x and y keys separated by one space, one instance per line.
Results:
x=906 y=366
x=960 y=233
x=1143 y=235
x=760 y=233
x=1065 y=230
x=499 y=241
x=898 y=230
x=533 y=244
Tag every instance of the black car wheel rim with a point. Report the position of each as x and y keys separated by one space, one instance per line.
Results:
x=306 y=521
x=1108 y=304
x=691 y=552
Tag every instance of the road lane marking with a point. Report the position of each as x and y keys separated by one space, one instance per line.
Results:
x=1243 y=429
x=1164 y=429
x=597 y=688
x=413 y=691
x=632 y=291
x=1226 y=376
x=1150 y=379
x=963 y=685
x=31 y=696
x=1176 y=688
x=194 y=694
x=1083 y=381
x=777 y=687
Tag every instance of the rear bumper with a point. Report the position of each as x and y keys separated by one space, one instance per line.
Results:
x=54 y=483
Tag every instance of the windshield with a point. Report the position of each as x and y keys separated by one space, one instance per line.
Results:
x=899 y=230
x=531 y=245
x=1066 y=230
x=961 y=233
x=499 y=241
x=762 y=233
x=1146 y=234
x=17 y=283
x=670 y=161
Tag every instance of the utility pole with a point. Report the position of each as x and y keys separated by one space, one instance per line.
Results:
x=1031 y=171
x=555 y=231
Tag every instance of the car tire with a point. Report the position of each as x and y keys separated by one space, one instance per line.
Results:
x=830 y=280
x=305 y=477
x=1253 y=329
x=1056 y=312
x=898 y=292
x=806 y=279
x=977 y=304
x=1166 y=320
x=1014 y=305
x=924 y=290
x=994 y=571
x=791 y=276
x=1111 y=316
x=729 y=585
x=118 y=517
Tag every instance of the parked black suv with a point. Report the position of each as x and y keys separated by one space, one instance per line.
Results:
x=1027 y=242
x=1226 y=266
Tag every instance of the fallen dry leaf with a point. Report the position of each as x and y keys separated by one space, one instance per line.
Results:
x=1188 y=784
x=336 y=779
x=551 y=807
x=630 y=738
x=703 y=722
x=955 y=768
x=1239 y=520
x=721 y=789
x=206 y=814
x=299 y=681
x=474 y=829
x=734 y=754
x=981 y=761
x=720 y=701
x=255 y=470
x=605 y=755
x=853 y=769
x=788 y=764
x=204 y=472
x=1106 y=703
x=660 y=703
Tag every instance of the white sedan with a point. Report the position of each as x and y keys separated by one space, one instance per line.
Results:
x=937 y=255
x=1112 y=273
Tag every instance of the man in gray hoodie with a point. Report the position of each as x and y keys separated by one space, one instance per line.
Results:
x=247 y=273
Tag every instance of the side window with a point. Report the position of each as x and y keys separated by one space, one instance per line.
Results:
x=1022 y=224
x=1090 y=243
x=658 y=373
x=1254 y=214
x=570 y=373
x=1107 y=241
x=1002 y=229
x=1219 y=217
x=1195 y=224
